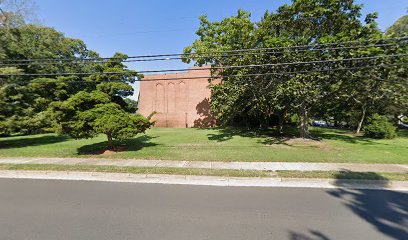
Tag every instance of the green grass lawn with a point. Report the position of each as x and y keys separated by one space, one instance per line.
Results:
x=219 y=145
x=136 y=170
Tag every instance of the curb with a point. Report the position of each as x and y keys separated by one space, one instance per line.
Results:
x=207 y=180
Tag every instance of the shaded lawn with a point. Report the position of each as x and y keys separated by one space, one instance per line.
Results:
x=333 y=145
x=343 y=175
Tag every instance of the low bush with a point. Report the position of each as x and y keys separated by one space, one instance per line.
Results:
x=380 y=127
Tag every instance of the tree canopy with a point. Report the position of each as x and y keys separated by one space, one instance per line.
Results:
x=82 y=106
x=27 y=97
x=399 y=28
x=309 y=85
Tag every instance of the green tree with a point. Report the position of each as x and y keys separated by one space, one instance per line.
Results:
x=14 y=13
x=131 y=105
x=399 y=28
x=101 y=109
x=26 y=98
x=398 y=104
x=380 y=127
x=284 y=90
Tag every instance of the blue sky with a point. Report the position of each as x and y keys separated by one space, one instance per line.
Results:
x=139 y=27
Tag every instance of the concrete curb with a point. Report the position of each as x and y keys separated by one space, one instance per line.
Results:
x=206 y=180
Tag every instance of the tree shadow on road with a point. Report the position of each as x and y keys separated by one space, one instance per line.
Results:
x=314 y=235
x=387 y=211
x=134 y=144
x=20 y=142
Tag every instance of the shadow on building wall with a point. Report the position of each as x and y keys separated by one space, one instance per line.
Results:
x=206 y=119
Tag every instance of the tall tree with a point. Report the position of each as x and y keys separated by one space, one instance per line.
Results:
x=27 y=97
x=14 y=13
x=397 y=103
x=399 y=28
x=292 y=88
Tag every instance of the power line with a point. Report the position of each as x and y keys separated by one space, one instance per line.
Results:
x=285 y=47
x=273 y=48
x=139 y=32
x=179 y=58
x=278 y=73
x=64 y=74
x=274 y=64
x=217 y=55
x=237 y=75
x=185 y=29
x=313 y=47
x=224 y=67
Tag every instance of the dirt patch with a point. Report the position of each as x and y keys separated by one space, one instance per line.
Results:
x=108 y=152
x=305 y=142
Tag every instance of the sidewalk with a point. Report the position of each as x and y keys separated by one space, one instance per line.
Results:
x=271 y=166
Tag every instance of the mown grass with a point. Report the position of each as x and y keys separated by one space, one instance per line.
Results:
x=209 y=172
x=343 y=175
x=332 y=145
x=136 y=170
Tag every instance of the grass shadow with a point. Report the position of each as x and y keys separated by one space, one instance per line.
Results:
x=342 y=135
x=134 y=144
x=349 y=137
x=20 y=142
x=346 y=174
x=387 y=211
x=270 y=135
x=402 y=132
x=274 y=140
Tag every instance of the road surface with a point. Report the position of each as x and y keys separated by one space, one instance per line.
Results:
x=52 y=209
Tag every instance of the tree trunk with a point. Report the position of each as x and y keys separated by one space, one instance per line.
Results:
x=281 y=117
x=336 y=123
x=360 y=123
x=110 y=141
x=304 y=126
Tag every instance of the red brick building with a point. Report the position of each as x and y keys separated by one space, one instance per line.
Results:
x=178 y=103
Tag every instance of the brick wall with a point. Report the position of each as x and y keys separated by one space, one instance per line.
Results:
x=178 y=103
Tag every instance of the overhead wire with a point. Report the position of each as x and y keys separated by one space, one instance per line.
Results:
x=216 y=68
x=237 y=75
x=157 y=57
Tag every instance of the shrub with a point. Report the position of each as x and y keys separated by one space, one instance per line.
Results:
x=380 y=127
x=294 y=120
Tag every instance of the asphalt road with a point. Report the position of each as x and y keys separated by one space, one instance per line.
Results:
x=49 y=209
